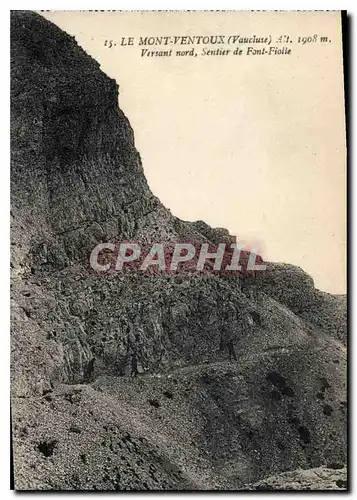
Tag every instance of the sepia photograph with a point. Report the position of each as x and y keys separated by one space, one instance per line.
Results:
x=178 y=250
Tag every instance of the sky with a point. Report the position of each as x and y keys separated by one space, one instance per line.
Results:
x=255 y=144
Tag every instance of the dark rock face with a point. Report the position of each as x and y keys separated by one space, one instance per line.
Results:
x=192 y=419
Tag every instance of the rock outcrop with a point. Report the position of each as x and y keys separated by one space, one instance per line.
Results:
x=192 y=419
x=321 y=478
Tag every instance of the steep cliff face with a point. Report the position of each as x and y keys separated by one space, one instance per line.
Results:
x=192 y=419
x=75 y=168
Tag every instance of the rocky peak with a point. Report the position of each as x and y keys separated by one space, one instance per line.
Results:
x=194 y=417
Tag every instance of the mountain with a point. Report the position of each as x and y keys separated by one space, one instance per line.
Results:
x=192 y=419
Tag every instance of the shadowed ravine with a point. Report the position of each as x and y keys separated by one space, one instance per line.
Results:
x=191 y=419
